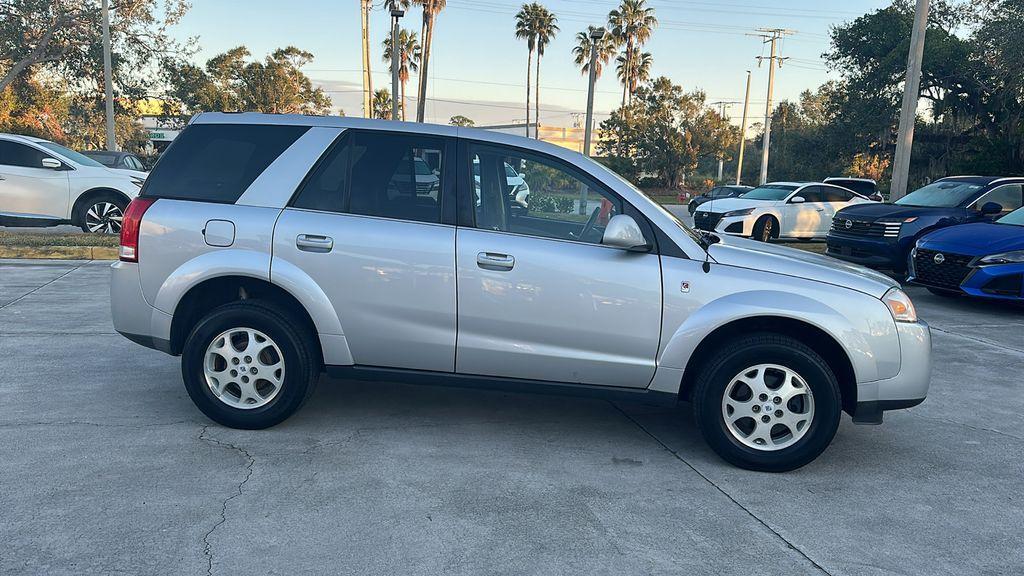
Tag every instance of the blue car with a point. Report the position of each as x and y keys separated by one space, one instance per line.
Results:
x=981 y=259
x=881 y=235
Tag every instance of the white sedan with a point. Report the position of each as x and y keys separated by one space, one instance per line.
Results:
x=776 y=210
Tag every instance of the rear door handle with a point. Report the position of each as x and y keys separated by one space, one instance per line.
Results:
x=495 y=261
x=314 y=243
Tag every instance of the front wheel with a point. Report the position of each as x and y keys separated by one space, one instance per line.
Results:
x=767 y=402
x=249 y=365
x=765 y=229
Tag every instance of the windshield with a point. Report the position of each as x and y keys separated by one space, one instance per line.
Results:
x=769 y=192
x=71 y=154
x=941 y=194
x=1015 y=218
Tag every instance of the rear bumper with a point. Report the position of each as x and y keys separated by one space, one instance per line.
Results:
x=132 y=316
x=871 y=252
x=907 y=388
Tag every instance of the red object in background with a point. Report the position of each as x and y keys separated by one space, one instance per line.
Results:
x=606 y=212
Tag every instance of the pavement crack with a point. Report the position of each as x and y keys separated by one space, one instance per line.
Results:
x=721 y=490
x=979 y=340
x=87 y=423
x=965 y=425
x=207 y=546
x=40 y=287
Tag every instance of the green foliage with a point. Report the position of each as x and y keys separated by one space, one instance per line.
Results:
x=664 y=132
x=460 y=120
x=231 y=82
x=552 y=204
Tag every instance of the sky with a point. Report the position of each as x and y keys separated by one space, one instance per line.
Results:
x=478 y=67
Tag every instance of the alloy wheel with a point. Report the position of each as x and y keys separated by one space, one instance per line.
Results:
x=104 y=217
x=768 y=407
x=244 y=368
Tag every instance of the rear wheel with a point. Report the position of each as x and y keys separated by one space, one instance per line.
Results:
x=767 y=402
x=102 y=214
x=765 y=229
x=249 y=365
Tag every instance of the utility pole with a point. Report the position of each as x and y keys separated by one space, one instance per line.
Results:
x=396 y=62
x=721 y=155
x=364 y=12
x=596 y=35
x=108 y=78
x=908 y=113
x=743 y=131
x=771 y=35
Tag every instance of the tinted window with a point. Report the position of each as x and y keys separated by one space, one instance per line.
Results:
x=834 y=194
x=14 y=154
x=217 y=162
x=1009 y=196
x=862 y=187
x=944 y=193
x=386 y=175
x=107 y=159
x=544 y=198
x=812 y=194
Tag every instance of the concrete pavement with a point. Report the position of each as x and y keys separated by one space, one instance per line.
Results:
x=106 y=467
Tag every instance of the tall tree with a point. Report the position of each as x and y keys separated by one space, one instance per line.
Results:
x=526 y=30
x=547 y=28
x=639 y=73
x=632 y=24
x=606 y=49
x=431 y=8
x=231 y=82
x=409 y=53
x=380 y=104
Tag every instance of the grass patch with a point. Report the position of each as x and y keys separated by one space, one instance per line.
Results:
x=41 y=239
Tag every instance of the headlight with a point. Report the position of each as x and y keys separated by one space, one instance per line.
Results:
x=1014 y=257
x=743 y=212
x=897 y=220
x=900 y=306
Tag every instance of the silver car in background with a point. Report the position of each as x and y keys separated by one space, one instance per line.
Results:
x=267 y=249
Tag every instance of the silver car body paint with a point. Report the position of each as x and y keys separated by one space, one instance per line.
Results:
x=412 y=295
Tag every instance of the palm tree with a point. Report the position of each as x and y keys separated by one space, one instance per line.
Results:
x=632 y=24
x=525 y=30
x=408 y=58
x=639 y=73
x=431 y=8
x=547 y=27
x=606 y=48
x=381 y=104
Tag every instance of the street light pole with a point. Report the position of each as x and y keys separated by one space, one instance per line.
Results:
x=772 y=35
x=908 y=113
x=364 y=14
x=396 y=61
x=596 y=35
x=743 y=131
x=108 y=78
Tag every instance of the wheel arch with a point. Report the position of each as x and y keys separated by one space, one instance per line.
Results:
x=88 y=195
x=814 y=337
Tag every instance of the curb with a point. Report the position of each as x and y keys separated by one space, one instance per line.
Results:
x=59 y=252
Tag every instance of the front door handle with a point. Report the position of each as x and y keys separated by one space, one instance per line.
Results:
x=314 y=243
x=495 y=261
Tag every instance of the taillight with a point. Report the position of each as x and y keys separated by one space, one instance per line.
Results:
x=130 y=224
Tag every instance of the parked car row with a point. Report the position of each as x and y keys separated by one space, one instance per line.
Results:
x=266 y=249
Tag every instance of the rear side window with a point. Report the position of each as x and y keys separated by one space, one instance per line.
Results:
x=217 y=162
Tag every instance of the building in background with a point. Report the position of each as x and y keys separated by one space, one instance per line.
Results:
x=571 y=138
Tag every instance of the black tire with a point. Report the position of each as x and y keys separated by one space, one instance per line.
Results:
x=765 y=229
x=298 y=349
x=110 y=219
x=716 y=375
x=943 y=293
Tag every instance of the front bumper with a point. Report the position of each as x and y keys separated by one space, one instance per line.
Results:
x=733 y=225
x=870 y=252
x=907 y=388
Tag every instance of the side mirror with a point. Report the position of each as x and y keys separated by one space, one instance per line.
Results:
x=623 y=232
x=991 y=208
x=797 y=200
x=52 y=163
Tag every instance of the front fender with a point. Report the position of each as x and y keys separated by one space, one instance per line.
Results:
x=683 y=341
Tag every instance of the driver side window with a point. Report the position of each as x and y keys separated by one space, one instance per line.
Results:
x=523 y=193
x=1009 y=196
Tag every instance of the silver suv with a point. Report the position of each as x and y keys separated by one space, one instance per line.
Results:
x=267 y=249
